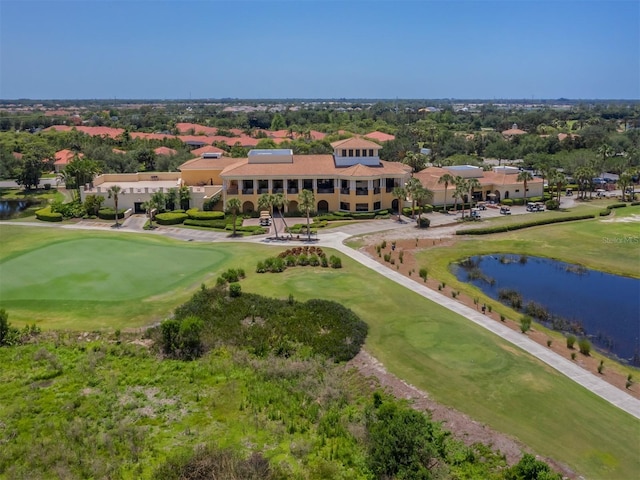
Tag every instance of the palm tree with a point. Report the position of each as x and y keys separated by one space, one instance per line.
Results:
x=114 y=191
x=606 y=151
x=556 y=179
x=307 y=202
x=171 y=197
x=400 y=193
x=148 y=207
x=79 y=171
x=472 y=184
x=447 y=179
x=184 y=193
x=234 y=206
x=524 y=177
x=421 y=195
x=459 y=192
x=412 y=186
x=265 y=202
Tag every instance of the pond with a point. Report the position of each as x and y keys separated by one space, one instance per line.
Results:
x=9 y=208
x=602 y=306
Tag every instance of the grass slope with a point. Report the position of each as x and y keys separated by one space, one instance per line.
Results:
x=457 y=362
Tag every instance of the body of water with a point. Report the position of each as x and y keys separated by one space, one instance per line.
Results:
x=607 y=306
x=9 y=208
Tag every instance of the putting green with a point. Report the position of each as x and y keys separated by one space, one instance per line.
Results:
x=102 y=269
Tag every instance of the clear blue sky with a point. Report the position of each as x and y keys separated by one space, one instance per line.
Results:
x=319 y=49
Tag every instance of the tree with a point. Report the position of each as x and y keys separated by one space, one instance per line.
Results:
x=184 y=193
x=557 y=179
x=624 y=181
x=417 y=161
x=29 y=174
x=400 y=193
x=447 y=179
x=459 y=192
x=78 y=172
x=307 y=203
x=271 y=202
x=92 y=204
x=421 y=195
x=233 y=207
x=472 y=184
x=584 y=178
x=524 y=177
x=411 y=187
x=278 y=123
x=113 y=192
x=171 y=198
x=605 y=151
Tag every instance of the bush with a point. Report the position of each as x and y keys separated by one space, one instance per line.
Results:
x=424 y=222
x=110 y=214
x=605 y=212
x=507 y=201
x=171 y=218
x=584 y=346
x=46 y=215
x=219 y=224
x=617 y=205
x=518 y=201
x=552 y=204
x=423 y=274
x=195 y=214
x=235 y=290
x=571 y=340
x=335 y=262
x=518 y=226
x=525 y=323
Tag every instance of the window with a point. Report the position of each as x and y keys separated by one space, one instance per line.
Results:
x=344 y=152
x=371 y=152
x=357 y=152
x=377 y=205
x=362 y=207
x=351 y=152
x=307 y=184
x=345 y=206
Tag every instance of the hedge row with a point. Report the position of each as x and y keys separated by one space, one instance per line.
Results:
x=609 y=208
x=518 y=226
x=195 y=214
x=110 y=214
x=353 y=216
x=406 y=211
x=253 y=229
x=171 y=218
x=46 y=215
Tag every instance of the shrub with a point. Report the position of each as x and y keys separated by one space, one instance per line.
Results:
x=573 y=355
x=571 y=340
x=324 y=262
x=235 y=290
x=110 y=214
x=584 y=346
x=549 y=342
x=552 y=204
x=46 y=215
x=518 y=226
x=220 y=224
x=195 y=214
x=525 y=323
x=502 y=318
x=171 y=218
x=383 y=244
x=605 y=212
x=617 y=205
x=601 y=367
x=423 y=274
x=424 y=222
x=335 y=262
x=507 y=201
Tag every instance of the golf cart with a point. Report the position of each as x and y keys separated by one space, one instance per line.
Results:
x=504 y=210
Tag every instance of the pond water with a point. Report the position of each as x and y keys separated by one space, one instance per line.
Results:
x=8 y=208
x=605 y=306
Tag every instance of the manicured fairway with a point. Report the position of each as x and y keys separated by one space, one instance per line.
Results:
x=458 y=363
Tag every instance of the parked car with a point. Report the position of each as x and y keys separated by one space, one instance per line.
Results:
x=505 y=210
x=475 y=213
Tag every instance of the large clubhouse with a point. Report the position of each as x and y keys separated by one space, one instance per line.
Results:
x=352 y=179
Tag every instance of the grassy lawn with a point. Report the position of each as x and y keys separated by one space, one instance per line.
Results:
x=458 y=363
x=88 y=280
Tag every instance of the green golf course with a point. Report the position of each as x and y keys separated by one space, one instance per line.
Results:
x=88 y=280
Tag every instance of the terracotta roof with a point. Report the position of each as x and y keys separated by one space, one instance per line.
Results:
x=185 y=127
x=151 y=136
x=165 y=151
x=209 y=163
x=63 y=157
x=380 y=136
x=355 y=142
x=200 y=139
x=198 y=152
x=513 y=131
x=429 y=178
x=310 y=166
x=93 y=131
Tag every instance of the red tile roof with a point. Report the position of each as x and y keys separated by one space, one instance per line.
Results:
x=209 y=163
x=198 y=152
x=63 y=157
x=380 y=136
x=184 y=128
x=356 y=142
x=165 y=151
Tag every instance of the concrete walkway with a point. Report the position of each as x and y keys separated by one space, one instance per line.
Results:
x=334 y=238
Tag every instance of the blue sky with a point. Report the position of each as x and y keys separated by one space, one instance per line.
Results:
x=319 y=49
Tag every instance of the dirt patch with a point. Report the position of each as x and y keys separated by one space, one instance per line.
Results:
x=461 y=426
x=412 y=241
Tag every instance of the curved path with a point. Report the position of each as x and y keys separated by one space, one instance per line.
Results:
x=335 y=238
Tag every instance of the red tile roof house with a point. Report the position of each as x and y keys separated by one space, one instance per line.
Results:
x=380 y=136
x=62 y=159
x=165 y=151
